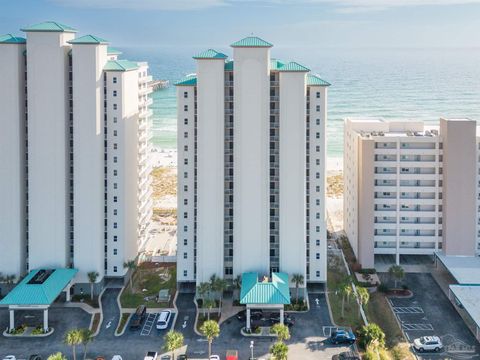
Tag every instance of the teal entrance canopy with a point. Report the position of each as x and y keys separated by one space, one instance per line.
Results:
x=274 y=292
x=40 y=287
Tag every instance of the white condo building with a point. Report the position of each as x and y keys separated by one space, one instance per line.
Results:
x=411 y=189
x=251 y=167
x=75 y=177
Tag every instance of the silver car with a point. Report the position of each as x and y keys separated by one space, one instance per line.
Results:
x=428 y=343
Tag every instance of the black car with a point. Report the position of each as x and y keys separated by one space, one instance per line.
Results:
x=138 y=317
x=347 y=355
x=254 y=315
x=182 y=357
x=35 y=357
x=342 y=337
x=287 y=319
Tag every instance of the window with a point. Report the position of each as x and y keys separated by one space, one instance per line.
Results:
x=115 y=238
x=317 y=188
x=114 y=269
x=185 y=121
x=317 y=242
x=185 y=107
x=114 y=106
x=185 y=161
x=272 y=252
x=317 y=202
x=317 y=161
x=115 y=186
x=185 y=255
x=115 y=225
x=185 y=135
x=317 y=256
x=114 y=93
x=318 y=94
x=317 y=135
x=115 y=146
x=185 y=188
x=114 y=80
x=185 y=228
x=317 y=121
x=114 y=119
x=185 y=215
x=184 y=272
x=317 y=273
x=317 y=229
x=228 y=271
x=185 y=175
x=317 y=148
x=317 y=175
x=115 y=172
x=185 y=148
x=115 y=199
x=317 y=108
x=185 y=242
x=115 y=212
x=185 y=94
x=114 y=251
x=185 y=201
x=115 y=133
x=115 y=159
x=317 y=215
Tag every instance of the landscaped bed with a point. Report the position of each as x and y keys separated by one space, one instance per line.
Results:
x=148 y=280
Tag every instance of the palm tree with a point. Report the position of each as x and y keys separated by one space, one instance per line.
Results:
x=92 y=278
x=57 y=356
x=208 y=304
x=131 y=265
x=237 y=283
x=73 y=338
x=219 y=286
x=279 y=351
x=345 y=288
x=203 y=289
x=281 y=330
x=363 y=296
x=397 y=272
x=173 y=341
x=86 y=337
x=298 y=279
x=9 y=279
x=210 y=330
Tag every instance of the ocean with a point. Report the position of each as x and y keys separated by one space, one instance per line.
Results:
x=416 y=84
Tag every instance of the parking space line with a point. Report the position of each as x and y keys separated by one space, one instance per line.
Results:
x=147 y=327
x=408 y=310
x=411 y=327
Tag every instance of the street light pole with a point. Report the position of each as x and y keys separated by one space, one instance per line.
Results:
x=251 y=348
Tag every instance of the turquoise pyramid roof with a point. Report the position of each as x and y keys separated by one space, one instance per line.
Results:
x=251 y=41
x=10 y=39
x=88 y=39
x=113 y=51
x=271 y=292
x=210 y=54
x=120 y=65
x=314 y=80
x=190 y=80
x=49 y=26
x=45 y=293
x=293 y=66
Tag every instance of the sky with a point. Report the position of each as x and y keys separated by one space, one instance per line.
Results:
x=287 y=23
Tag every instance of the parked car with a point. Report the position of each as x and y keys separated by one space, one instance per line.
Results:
x=166 y=357
x=346 y=355
x=10 y=357
x=214 y=357
x=342 y=337
x=182 y=357
x=35 y=357
x=254 y=315
x=287 y=319
x=138 y=317
x=117 y=357
x=151 y=355
x=163 y=319
x=428 y=343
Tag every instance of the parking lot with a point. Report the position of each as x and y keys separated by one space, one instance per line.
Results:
x=429 y=312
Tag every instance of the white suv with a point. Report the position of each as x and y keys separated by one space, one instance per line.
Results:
x=428 y=343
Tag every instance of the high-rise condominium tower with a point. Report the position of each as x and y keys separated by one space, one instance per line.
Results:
x=74 y=152
x=251 y=167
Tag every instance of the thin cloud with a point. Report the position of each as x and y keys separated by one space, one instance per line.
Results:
x=185 y=5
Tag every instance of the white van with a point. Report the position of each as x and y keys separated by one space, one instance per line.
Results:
x=163 y=319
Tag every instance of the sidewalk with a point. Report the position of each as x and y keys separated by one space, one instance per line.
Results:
x=228 y=310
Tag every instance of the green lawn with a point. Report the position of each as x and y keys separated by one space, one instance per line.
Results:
x=148 y=278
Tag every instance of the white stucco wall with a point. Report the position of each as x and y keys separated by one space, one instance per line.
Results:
x=47 y=70
x=251 y=162
x=292 y=173
x=210 y=176
x=186 y=183
x=12 y=159
x=88 y=159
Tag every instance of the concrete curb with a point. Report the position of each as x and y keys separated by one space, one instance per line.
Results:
x=100 y=322
x=176 y=310
x=117 y=334
x=196 y=318
x=7 y=335
x=85 y=307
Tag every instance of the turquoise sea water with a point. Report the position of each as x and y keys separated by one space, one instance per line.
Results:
x=417 y=84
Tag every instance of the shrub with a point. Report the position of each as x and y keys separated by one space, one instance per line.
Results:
x=368 y=271
x=369 y=355
x=371 y=335
x=383 y=288
x=404 y=287
x=401 y=352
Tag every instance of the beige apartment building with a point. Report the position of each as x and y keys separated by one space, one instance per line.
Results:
x=411 y=189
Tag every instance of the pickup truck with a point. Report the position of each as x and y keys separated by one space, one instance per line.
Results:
x=151 y=355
